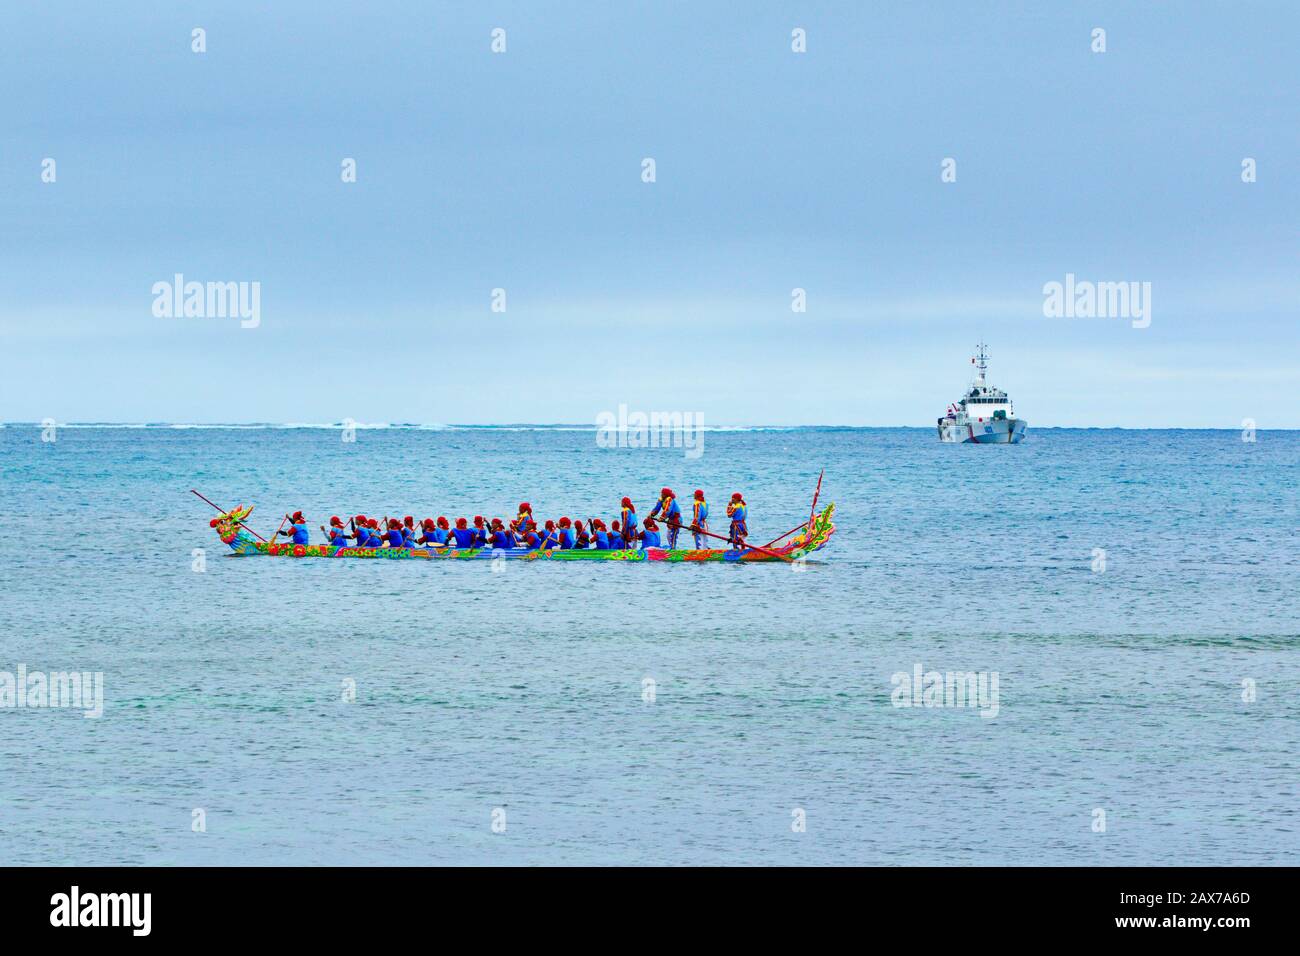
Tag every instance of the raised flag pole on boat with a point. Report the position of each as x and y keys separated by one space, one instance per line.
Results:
x=224 y=511
x=752 y=547
x=816 y=494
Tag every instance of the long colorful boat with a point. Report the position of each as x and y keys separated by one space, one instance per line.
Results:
x=232 y=530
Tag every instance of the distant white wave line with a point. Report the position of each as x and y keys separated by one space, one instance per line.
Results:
x=338 y=426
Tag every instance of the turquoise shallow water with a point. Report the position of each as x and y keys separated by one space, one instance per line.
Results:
x=1119 y=691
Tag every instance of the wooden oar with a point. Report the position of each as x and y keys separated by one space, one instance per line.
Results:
x=277 y=530
x=225 y=512
x=752 y=547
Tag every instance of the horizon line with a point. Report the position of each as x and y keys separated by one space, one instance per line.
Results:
x=574 y=426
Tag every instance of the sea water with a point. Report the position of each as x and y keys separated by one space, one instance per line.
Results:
x=1128 y=598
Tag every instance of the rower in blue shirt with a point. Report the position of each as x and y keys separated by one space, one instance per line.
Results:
x=616 y=540
x=524 y=521
x=338 y=537
x=650 y=536
x=297 y=529
x=442 y=530
x=480 y=532
x=502 y=538
x=394 y=537
x=550 y=538
x=739 y=513
x=360 y=524
x=566 y=536
x=628 y=517
x=671 y=511
x=427 y=529
x=600 y=534
x=463 y=534
x=699 y=518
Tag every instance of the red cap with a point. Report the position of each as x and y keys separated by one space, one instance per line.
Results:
x=372 y=523
x=627 y=502
x=667 y=493
x=408 y=521
x=699 y=494
x=650 y=523
x=336 y=521
x=442 y=522
x=564 y=522
x=427 y=523
x=550 y=526
x=737 y=497
x=213 y=522
x=297 y=516
x=462 y=523
x=478 y=521
x=497 y=523
x=614 y=525
x=525 y=506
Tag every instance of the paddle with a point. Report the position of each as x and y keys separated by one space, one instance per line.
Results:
x=752 y=547
x=225 y=512
x=277 y=530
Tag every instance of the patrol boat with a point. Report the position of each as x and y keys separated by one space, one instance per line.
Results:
x=984 y=414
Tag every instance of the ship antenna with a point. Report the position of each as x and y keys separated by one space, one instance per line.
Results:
x=981 y=360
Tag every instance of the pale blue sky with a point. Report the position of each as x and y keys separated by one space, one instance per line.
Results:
x=775 y=170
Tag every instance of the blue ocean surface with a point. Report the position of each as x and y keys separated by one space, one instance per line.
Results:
x=1133 y=593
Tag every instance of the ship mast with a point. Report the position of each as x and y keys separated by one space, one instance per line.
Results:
x=981 y=361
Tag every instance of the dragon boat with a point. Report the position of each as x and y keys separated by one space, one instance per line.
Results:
x=232 y=530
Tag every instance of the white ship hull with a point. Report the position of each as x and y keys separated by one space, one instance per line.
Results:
x=1000 y=432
